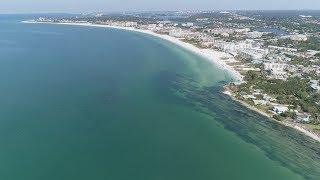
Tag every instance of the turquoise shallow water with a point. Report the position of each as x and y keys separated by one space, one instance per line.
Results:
x=92 y=103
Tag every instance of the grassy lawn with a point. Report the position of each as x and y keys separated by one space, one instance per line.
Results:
x=316 y=128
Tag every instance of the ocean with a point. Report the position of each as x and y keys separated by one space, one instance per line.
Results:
x=96 y=103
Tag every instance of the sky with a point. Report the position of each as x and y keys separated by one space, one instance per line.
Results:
x=71 y=6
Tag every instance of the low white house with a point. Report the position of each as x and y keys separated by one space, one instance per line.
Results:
x=188 y=24
x=315 y=85
x=249 y=97
x=277 y=70
x=303 y=117
x=280 y=109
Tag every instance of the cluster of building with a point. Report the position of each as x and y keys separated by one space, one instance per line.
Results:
x=264 y=100
x=119 y=23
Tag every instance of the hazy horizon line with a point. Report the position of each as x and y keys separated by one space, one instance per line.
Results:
x=150 y=11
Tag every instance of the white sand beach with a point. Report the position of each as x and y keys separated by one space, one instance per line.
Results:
x=211 y=55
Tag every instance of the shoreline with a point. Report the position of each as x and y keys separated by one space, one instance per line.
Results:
x=212 y=56
x=298 y=127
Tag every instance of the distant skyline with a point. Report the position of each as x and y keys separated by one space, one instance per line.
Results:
x=72 y=6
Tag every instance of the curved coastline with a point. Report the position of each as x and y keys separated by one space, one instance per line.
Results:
x=212 y=56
